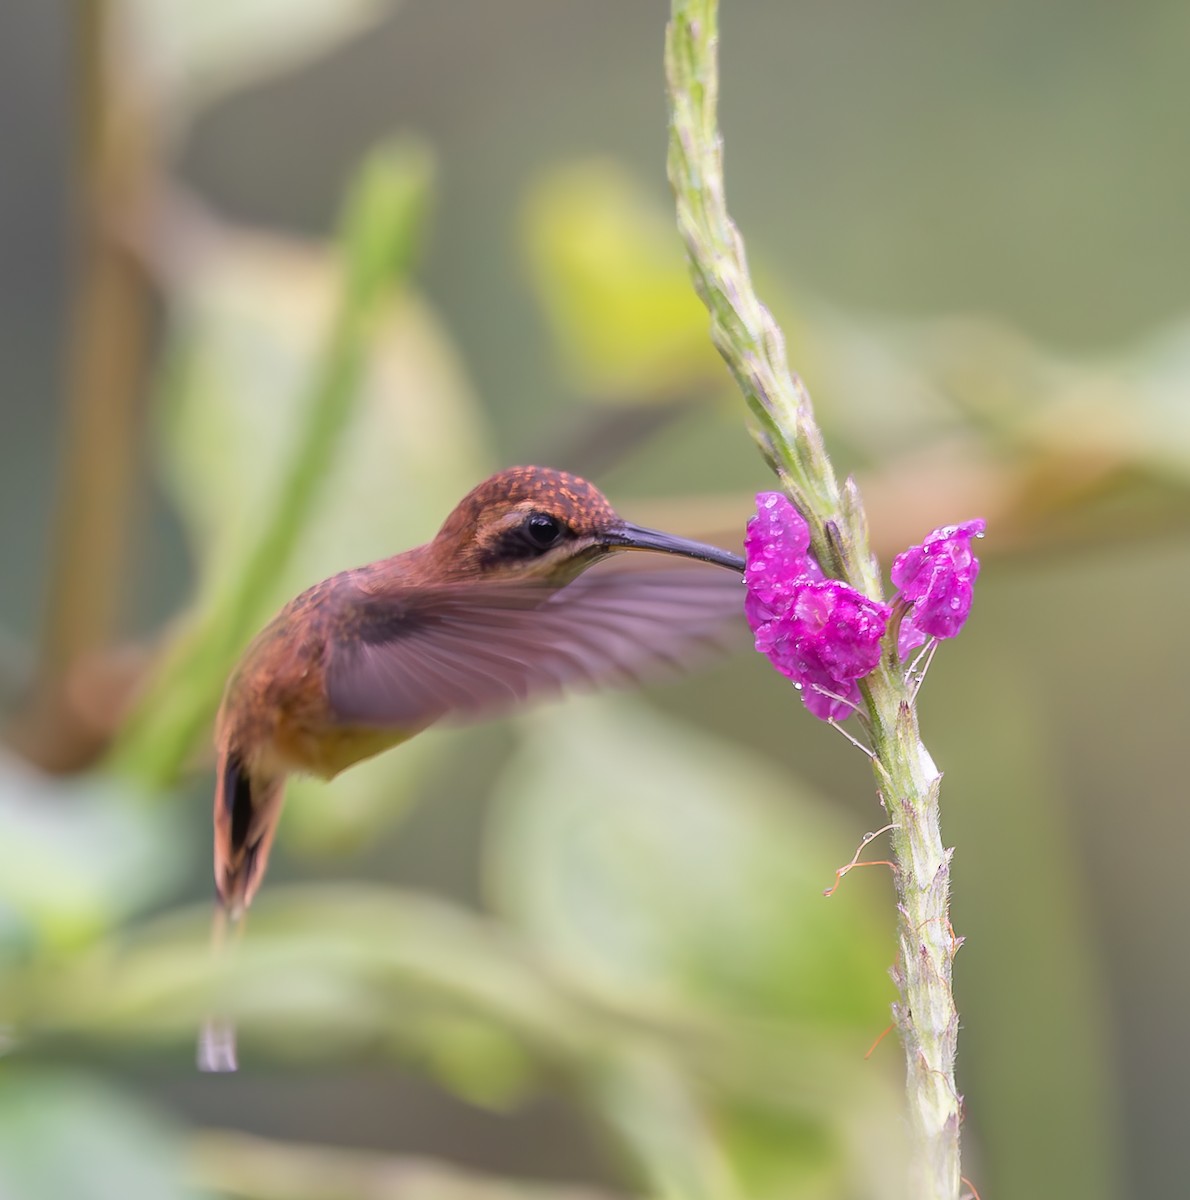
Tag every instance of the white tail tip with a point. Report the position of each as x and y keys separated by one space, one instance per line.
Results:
x=217 y=1047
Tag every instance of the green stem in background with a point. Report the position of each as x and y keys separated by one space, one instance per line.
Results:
x=751 y=343
x=381 y=230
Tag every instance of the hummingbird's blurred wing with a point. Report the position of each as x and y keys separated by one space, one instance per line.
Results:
x=468 y=650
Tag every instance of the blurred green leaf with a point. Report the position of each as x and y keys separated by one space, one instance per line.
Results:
x=802 y=1122
x=650 y=861
x=781 y=1154
x=339 y=815
x=197 y=53
x=475 y=1060
x=323 y=970
x=1131 y=407
x=898 y=386
x=251 y=1168
x=332 y=973
x=413 y=438
x=328 y=969
x=70 y=1137
x=612 y=280
x=649 y=857
x=651 y=1106
x=77 y=855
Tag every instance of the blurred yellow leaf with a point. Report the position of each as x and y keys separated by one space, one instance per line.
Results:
x=609 y=270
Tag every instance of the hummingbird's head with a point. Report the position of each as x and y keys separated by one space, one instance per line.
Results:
x=534 y=522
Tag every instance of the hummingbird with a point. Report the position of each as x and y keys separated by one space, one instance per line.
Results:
x=496 y=610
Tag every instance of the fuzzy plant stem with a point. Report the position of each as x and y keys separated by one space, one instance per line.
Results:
x=751 y=343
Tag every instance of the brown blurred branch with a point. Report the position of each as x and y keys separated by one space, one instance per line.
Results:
x=108 y=344
x=107 y=351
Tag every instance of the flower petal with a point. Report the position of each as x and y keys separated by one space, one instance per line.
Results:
x=938 y=579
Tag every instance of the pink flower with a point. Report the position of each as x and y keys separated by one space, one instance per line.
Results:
x=821 y=633
x=777 y=553
x=937 y=579
x=828 y=637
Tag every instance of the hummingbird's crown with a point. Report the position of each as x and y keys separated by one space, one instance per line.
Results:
x=581 y=505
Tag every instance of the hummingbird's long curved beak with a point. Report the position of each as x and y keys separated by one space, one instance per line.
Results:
x=637 y=537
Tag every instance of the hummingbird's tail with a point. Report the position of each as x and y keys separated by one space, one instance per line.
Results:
x=247 y=809
x=217 y=1037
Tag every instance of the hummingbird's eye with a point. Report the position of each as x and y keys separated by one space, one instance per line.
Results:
x=542 y=530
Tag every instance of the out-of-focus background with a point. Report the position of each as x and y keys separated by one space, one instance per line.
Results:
x=278 y=283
